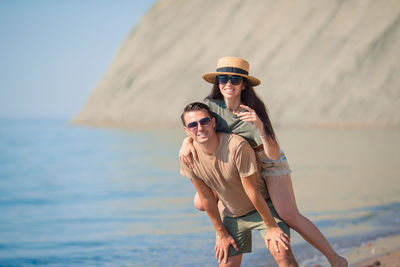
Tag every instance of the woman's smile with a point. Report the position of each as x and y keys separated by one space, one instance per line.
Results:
x=230 y=90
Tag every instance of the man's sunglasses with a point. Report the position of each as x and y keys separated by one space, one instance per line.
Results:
x=235 y=79
x=203 y=122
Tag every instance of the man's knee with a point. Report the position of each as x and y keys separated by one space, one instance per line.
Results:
x=283 y=257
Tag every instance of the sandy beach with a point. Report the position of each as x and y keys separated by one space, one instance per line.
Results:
x=380 y=252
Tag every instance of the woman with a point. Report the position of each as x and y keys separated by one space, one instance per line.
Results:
x=239 y=110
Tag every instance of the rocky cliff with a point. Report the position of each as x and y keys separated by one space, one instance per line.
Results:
x=320 y=62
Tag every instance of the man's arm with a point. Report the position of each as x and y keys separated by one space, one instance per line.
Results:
x=224 y=239
x=274 y=233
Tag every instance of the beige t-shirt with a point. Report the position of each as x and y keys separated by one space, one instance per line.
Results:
x=222 y=172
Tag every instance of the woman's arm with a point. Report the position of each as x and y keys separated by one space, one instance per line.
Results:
x=271 y=147
x=274 y=234
x=186 y=152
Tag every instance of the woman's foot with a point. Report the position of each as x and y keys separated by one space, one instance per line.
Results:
x=339 y=262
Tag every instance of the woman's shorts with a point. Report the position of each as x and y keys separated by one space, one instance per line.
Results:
x=272 y=167
x=265 y=176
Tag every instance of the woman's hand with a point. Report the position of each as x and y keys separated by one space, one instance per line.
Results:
x=276 y=236
x=271 y=147
x=251 y=116
x=186 y=152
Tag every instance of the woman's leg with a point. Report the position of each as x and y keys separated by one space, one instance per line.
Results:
x=281 y=192
x=197 y=203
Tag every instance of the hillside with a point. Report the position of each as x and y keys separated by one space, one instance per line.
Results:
x=320 y=62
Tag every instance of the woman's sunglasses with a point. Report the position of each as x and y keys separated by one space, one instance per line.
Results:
x=203 y=122
x=235 y=79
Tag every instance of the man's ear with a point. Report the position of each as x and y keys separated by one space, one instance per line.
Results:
x=213 y=122
x=187 y=131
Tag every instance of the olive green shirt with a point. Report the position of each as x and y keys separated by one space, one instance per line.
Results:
x=228 y=122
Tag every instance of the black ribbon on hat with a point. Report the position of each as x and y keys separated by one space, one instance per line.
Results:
x=233 y=70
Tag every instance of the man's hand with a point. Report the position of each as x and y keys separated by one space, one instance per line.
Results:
x=222 y=244
x=224 y=239
x=275 y=235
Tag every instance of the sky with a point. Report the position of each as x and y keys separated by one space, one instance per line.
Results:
x=54 y=53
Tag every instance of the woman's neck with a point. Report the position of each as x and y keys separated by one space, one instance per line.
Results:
x=232 y=104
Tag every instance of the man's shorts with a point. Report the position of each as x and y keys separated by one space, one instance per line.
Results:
x=240 y=228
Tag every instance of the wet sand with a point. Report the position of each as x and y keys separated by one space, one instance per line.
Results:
x=381 y=252
x=391 y=258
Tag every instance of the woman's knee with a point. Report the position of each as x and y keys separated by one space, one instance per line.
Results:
x=197 y=203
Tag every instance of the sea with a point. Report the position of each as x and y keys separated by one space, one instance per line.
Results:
x=85 y=196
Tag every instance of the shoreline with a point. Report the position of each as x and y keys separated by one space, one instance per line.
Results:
x=383 y=251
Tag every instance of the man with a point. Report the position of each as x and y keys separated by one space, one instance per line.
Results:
x=227 y=165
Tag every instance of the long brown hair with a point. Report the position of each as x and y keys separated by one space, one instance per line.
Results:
x=249 y=98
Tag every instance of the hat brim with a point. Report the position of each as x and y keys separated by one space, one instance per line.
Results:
x=211 y=76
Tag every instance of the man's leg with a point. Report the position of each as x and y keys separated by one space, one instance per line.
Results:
x=284 y=257
x=233 y=261
x=242 y=235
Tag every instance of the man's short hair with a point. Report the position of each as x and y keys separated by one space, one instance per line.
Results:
x=194 y=107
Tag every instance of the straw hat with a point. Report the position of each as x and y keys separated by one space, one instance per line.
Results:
x=232 y=66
